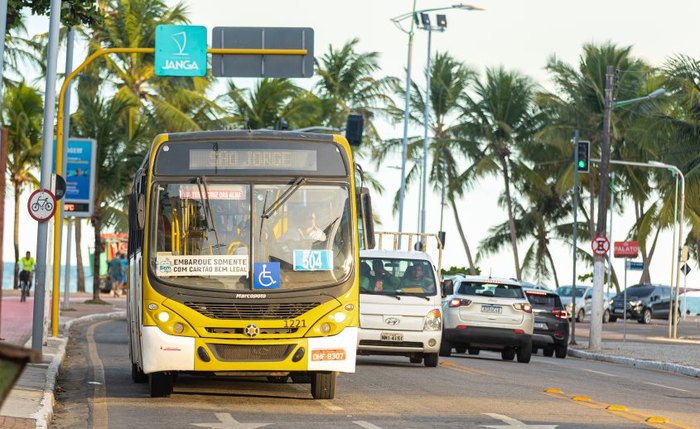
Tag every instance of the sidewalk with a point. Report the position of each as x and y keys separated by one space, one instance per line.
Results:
x=30 y=403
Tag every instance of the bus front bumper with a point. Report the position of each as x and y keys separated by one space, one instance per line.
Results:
x=164 y=352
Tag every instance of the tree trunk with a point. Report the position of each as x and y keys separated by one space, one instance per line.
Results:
x=79 y=255
x=15 y=279
x=646 y=259
x=511 y=220
x=472 y=269
x=96 y=259
x=554 y=269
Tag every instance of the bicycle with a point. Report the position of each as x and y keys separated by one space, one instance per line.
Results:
x=24 y=287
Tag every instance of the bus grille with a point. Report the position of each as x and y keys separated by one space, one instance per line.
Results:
x=238 y=353
x=252 y=311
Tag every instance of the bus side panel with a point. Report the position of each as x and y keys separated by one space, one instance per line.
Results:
x=163 y=352
x=325 y=352
x=134 y=307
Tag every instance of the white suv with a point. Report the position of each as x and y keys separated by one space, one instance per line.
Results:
x=485 y=313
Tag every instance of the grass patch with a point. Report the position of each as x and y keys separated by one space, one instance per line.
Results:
x=98 y=302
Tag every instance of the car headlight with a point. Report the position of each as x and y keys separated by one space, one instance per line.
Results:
x=636 y=303
x=433 y=321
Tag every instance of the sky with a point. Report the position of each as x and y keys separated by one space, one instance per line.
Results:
x=516 y=34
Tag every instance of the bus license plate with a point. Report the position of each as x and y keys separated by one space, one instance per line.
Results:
x=496 y=309
x=327 y=354
x=391 y=336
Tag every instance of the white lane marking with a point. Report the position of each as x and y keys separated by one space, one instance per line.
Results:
x=327 y=405
x=666 y=387
x=98 y=402
x=598 y=372
x=514 y=424
x=226 y=421
x=366 y=425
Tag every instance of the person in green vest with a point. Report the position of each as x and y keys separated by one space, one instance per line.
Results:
x=27 y=264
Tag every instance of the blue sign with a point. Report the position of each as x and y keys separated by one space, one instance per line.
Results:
x=313 y=260
x=79 y=174
x=635 y=266
x=181 y=50
x=266 y=275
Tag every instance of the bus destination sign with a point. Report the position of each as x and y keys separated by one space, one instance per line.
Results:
x=248 y=159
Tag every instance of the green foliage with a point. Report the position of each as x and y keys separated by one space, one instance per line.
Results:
x=453 y=270
x=73 y=12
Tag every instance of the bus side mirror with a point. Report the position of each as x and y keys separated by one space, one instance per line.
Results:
x=367 y=219
x=354 y=129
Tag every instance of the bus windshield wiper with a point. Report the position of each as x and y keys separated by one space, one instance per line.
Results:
x=202 y=181
x=284 y=197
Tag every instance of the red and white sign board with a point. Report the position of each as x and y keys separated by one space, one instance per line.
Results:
x=41 y=205
x=626 y=249
x=600 y=245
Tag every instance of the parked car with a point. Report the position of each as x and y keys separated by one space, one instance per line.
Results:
x=551 y=328
x=644 y=302
x=485 y=313
x=584 y=302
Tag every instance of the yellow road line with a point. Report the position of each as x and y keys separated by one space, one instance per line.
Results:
x=617 y=410
x=462 y=368
x=98 y=402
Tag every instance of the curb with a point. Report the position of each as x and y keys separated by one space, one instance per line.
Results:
x=639 y=363
x=45 y=413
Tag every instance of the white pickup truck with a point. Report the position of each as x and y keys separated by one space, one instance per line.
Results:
x=400 y=301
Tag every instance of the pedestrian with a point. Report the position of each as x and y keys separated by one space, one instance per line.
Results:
x=115 y=274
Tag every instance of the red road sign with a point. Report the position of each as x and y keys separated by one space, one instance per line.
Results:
x=626 y=249
x=41 y=205
x=600 y=245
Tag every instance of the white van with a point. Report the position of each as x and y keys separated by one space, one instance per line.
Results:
x=400 y=302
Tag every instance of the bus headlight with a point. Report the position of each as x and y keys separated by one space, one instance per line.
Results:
x=433 y=321
x=163 y=316
x=325 y=328
x=178 y=328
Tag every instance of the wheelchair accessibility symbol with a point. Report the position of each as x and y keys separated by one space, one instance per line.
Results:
x=266 y=275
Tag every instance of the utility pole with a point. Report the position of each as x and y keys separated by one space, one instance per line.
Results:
x=594 y=340
x=572 y=339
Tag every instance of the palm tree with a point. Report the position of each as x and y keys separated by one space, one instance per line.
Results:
x=22 y=113
x=502 y=117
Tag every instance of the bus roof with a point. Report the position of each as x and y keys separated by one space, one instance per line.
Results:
x=249 y=134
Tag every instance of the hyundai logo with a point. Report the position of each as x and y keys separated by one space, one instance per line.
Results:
x=392 y=321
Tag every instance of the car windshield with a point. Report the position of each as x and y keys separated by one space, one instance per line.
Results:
x=543 y=301
x=637 y=292
x=498 y=290
x=565 y=291
x=213 y=235
x=389 y=276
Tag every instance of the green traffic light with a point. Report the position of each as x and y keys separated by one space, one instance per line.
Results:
x=582 y=164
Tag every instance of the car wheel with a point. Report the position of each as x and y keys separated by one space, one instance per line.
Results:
x=646 y=316
x=445 y=348
x=473 y=351
x=508 y=353
x=416 y=359
x=525 y=353
x=460 y=349
x=561 y=350
x=606 y=316
x=548 y=351
x=431 y=360
x=580 y=315
x=613 y=319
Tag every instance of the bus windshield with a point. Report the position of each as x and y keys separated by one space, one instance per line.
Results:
x=214 y=235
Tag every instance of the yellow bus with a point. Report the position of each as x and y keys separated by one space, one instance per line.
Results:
x=243 y=258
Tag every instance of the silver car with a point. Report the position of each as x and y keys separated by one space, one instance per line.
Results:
x=584 y=302
x=485 y=313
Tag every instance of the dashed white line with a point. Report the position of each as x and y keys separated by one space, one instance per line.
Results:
x=366 y=425
x=666 y=387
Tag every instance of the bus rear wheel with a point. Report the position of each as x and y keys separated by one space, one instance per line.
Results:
x=323 y=384
x=161 y=384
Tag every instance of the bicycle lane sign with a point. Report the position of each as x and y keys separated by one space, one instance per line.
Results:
x=41 y=205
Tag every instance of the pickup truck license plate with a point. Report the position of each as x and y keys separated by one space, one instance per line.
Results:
x=496 y=309
x=391 y=336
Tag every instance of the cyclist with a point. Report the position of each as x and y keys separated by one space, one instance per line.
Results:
x=27 y=265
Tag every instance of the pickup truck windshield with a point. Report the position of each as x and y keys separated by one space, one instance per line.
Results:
x=389 y=276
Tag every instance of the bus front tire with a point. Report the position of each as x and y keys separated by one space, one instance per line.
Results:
x=161 y=384
x=137 y=376
x=323 y=384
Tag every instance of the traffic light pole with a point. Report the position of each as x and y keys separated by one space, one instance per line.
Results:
x=572 y=340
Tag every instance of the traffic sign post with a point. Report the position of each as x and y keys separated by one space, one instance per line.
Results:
x=600 y=245
x=41 y=205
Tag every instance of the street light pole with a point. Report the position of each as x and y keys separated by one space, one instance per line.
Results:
x=426 y=124
x=594 y=340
